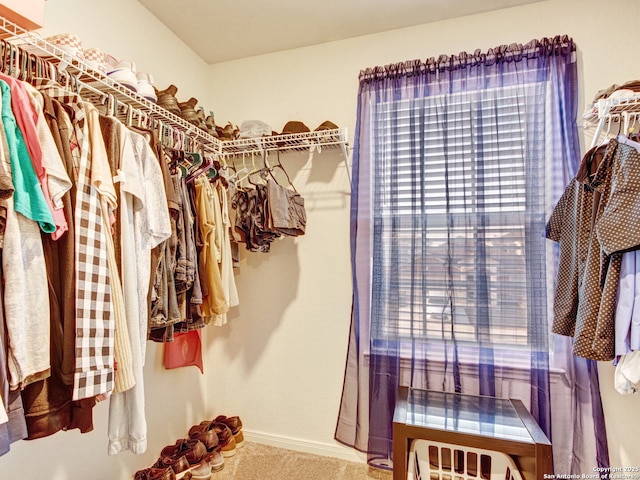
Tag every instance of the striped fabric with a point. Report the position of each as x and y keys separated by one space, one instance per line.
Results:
x=94 y=372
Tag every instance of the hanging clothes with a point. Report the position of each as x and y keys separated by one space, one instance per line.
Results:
x=26 y=299
x=286 y=208
x=94 y=374
x=214 y=303
x=27 y=117
x=145 y=223
x=590 y=259
x=164 y=310
x=124 y=378
x=12 y=424
x=91 y=268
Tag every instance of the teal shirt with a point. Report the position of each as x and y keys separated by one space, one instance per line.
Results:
x=28 y=198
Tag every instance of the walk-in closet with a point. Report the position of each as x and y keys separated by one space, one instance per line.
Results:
x=270 y=240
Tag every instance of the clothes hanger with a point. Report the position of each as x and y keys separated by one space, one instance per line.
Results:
x=625 y=137
x=23 y=72
x=610 y=118
x=194 y=162
x=129 y=116
x=205 y=166
x=281 y=167
x=4 y=49
x=10 y=60
x=239 y=177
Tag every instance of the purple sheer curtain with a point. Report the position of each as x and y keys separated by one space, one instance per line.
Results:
x=458 y=162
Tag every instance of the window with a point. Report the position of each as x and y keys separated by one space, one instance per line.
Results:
x=453 y=218
x=457 y=163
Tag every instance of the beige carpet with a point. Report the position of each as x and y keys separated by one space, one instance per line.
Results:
x=255 y=461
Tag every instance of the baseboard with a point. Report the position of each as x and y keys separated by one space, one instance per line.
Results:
x=306 y=446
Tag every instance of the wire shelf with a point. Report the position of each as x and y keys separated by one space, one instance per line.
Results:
x=307 y=141
x=97 y=87
x=616 y=106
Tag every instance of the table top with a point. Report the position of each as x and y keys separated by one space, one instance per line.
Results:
x=461 y=413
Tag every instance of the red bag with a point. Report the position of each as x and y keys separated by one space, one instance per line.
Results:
x=185 y=350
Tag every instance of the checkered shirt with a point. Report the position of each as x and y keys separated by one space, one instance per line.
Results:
x=95 y=325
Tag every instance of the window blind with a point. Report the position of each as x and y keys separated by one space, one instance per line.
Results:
x=451 y=218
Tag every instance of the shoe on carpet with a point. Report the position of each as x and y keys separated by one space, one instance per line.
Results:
x=235 y=425
x=216 y=460
x=178 y=464
x=202 y=471
x=206 y=434
x=155 y=474
x=192 y=449
x=225 y=438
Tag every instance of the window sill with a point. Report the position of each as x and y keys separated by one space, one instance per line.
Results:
x=470 y=369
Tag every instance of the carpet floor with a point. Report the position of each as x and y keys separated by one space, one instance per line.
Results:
x=255 y=461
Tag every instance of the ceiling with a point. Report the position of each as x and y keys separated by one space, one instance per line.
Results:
x=220 y=31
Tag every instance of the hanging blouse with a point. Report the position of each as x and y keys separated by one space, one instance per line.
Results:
x=28 y=197
x=26 y=299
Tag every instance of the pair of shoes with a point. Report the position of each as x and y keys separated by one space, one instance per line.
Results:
x=326 y=125
x=167 y=99
x=145 y=86
x=225 y=437
x=226 y=442
x=67 y=42
x=210 y=123
x=228 y=132
x=155 y=474
x=235 y=425
x=208 y=436
x=186 y=457
x=123 y=72
x=189 y=113
x=95 y=59
x=254 y=129
x=295 y=126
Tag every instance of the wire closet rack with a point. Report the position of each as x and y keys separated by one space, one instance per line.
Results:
x=625 y=111
x=97 y=87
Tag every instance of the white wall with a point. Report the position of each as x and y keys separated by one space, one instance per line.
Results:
x=176 y=399
x=128 y=31
x=279 y=362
